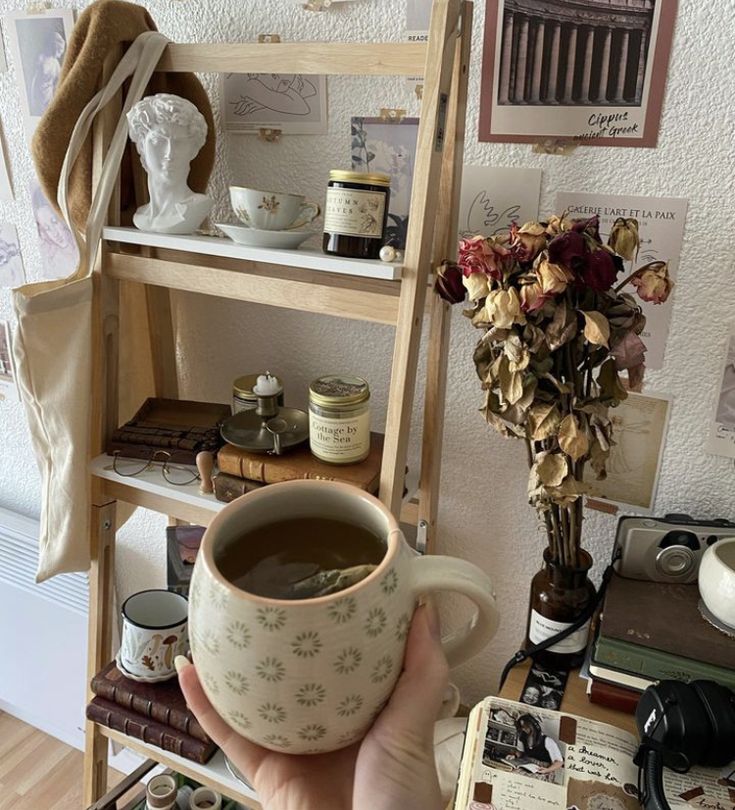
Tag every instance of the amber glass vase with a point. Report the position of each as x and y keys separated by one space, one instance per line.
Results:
x=559 y=595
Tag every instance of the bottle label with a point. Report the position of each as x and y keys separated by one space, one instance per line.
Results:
x=340 y=440
x=542 y=628
x=351 y=212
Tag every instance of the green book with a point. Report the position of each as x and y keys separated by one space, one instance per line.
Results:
x=658 y=665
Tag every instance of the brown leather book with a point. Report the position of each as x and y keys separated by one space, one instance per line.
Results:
x=614 y=697
x=664 y=617
x=228 y=487
x=149 y=731
x=163 y=702
x=300 y=463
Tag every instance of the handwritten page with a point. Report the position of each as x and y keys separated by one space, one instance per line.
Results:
x=661 y=226
x=494 y=197
x=721 y=440
x=639 y=432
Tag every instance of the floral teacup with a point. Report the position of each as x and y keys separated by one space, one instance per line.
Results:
x=310 y=675
x=272 y=210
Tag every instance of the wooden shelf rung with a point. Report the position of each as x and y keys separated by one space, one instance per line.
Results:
x=315 y=58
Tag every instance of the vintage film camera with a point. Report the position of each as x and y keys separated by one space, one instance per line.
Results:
x=666 y=549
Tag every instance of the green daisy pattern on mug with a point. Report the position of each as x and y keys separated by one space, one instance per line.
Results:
x=389 y=582
x=307 y=644
x=382 y=669
x=238 y=635
x=240 y=720
x=270 y=669
x=311 y=694
x=375 y=622
x=349 y=706
x=271 y=618
x=209 y=641
x=272 y=712
x=278 y=740
x=404 y=623
x=237 y=682
x=342 y=610
x=217 y=596
x=348 y=660
x=211 y=683
x=349 y=736
x=312 y=732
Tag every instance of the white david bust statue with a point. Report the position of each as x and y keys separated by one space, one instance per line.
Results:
x=168 y=132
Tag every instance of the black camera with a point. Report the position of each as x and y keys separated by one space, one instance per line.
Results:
x=666 y=549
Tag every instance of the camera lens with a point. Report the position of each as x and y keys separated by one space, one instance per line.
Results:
x=675 y=561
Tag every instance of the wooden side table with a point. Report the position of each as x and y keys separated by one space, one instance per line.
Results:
x=575 y=699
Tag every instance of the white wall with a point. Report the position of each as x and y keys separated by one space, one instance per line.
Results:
x=484 y=515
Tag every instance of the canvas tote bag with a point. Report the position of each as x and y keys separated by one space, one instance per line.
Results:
x=53 y=340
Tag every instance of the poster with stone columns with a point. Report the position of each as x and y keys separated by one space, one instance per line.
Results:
x=586 y=71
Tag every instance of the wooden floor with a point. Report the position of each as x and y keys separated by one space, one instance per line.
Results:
x=37 y=772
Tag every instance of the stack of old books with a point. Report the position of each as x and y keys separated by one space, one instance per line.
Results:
x=240 y=471
x=155 y=713
x=651 y=631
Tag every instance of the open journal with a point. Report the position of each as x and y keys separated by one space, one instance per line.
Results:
x=518 y=757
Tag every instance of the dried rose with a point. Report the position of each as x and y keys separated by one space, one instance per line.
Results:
x=569 y=249
x=504 y=308
x=449 y=283
x=628 y=350
x=528 y=240
x=532 y=297
x=553 y=277
x=624 y=238
x=596 y=328
x=477 y=285
x=590 y=227
x=480 y=255
x=573 y=438
x=652 y=282
x=557 y=225
x=601 y=269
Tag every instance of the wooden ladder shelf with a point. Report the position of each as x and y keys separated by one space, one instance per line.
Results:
x=151 y=265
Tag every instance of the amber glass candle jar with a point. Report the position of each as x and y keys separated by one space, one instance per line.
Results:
x=355 y=214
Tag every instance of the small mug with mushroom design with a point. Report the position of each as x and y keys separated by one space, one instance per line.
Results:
x=155 y=631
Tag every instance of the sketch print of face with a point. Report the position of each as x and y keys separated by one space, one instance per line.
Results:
x=59 y=254
x=282 y=93
x=42 y=45
x=168 y=132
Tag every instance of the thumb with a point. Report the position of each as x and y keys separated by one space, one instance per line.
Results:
x=417 y=698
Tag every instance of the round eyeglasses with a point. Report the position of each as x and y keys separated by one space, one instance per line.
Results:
x=173 y=466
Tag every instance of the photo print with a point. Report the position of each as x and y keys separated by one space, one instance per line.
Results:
x=11 y=262
x=8 y=387
x=294 y=103
x=544 y=687
x=581 y=70
x=721 y=440
x=38 y=42
x=388 y=147
x=526 y=743
x=59 y=254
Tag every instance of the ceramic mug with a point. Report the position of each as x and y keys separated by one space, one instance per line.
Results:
x=310 y=675
x=717 y=580
x=155 y=631
x=272 y=210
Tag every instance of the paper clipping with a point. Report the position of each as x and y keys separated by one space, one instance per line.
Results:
x=11 y=262
x=721 y=440
x=494 y=197
x=639 y=432
x=661 y=226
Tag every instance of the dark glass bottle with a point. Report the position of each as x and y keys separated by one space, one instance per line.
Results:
x=559 y=596
x=355 y=214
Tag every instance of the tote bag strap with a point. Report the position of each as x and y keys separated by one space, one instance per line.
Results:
x=139 y=61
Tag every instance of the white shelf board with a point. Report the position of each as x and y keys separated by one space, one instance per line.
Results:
x=306 y=258
x=214 y=774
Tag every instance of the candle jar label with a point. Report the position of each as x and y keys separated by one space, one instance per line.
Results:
x=341 y=441
x=355 y=213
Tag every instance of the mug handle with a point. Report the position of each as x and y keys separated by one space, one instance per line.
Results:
x=308 y=212
x=436 y=573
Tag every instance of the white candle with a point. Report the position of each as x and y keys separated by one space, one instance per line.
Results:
x=266 y=386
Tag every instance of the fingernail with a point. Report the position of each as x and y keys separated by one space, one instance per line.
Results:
x=432 y=619
x=181 y=662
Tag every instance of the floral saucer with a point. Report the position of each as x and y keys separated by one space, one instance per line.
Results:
x=255 y=237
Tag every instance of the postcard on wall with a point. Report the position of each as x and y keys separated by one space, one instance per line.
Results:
x=495 y=197
x=661 y=226
x=418 y=20
x=639 y=431
x=721 y=439
x=59 y=254
x=294 y=103
x=38 y=43
x=6 y=187
x=11 y=262
x=8 y=386
x=582 y=70
x=388 y=147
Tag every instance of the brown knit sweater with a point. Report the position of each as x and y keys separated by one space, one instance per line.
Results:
x=103 y=28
